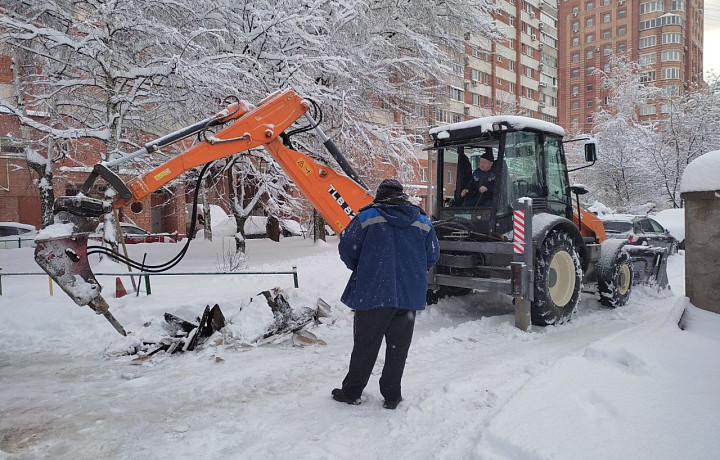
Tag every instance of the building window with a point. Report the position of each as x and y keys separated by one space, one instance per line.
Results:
x=589 y=71
x=575 y=105
x=670 y=55
x=575 y=26
x=512 y=20
x=673 y=37
x=622 y=13
x=589 y=103
x=589 y=6
x=576 y=57
x=575 y=10
x=647 y=42
x=499 y=81
x=671 y=73
x=671 y=90
x=575 y=89
x=621 y=47
x=589 y=54
x=651 y=7
x=677 y=5
x=423 y=174
x=590 y=87
x=607 y=51
x=457 y=94
x=589 y=22
x=660 y=21
x=647 y=77
x=589 y=38
x=646 y=109
x=575 y=41
x=511 y=87
x=606 y=18
x=575 y=73
x=450 y=176
x=606 y=34
x=622 y=31
x=512 y=65
x=647 y=59
x=575 y=121
x=605 y=2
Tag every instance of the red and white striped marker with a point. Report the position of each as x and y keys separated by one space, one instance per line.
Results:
x=519 y=231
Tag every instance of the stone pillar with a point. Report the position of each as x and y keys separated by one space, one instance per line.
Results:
x=702 y=249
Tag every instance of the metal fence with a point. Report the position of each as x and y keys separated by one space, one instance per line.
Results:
x=146 y=276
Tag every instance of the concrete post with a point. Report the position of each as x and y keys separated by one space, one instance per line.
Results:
x=702 y=249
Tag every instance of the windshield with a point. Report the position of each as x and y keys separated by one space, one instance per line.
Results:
x=613 y=226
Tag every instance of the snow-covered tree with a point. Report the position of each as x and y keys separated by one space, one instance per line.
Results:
x=691 y=127
x=110 y=71
x=621 y=177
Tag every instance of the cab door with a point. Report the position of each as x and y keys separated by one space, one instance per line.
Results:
x=559 y=201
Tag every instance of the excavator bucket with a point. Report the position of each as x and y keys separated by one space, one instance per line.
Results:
x=65 y=259
x=649 y=265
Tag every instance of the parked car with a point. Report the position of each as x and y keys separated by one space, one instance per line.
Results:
x=641 y=231
x=134 y=234
x=16 y=235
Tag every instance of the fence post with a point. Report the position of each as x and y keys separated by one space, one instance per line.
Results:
x=295 y=277
x=51 y=285
x=147 y=285
x=19 y=242
x=0 y=281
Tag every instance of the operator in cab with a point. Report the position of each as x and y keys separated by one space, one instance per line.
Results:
x=478 y=191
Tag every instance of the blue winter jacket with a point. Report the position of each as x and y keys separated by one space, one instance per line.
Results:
x=389 y=249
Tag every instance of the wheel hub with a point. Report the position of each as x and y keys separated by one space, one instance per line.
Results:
x=624 y=276
x=561 y=278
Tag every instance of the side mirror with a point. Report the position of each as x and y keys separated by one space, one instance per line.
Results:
x=590 y=152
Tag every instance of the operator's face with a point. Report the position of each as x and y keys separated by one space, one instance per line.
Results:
x=485 y=165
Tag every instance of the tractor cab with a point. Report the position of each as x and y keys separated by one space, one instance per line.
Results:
x=528 y=161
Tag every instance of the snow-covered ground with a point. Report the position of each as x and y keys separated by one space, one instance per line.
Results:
x=628 y=383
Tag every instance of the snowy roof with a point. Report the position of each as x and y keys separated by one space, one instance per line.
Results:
x=702 y=174
x=486 y=124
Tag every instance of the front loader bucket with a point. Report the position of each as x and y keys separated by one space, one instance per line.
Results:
x=65 y=260
x=649 y=265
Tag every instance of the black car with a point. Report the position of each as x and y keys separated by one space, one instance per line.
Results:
x=641 y=231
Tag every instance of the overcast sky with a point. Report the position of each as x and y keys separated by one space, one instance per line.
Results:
x=711 y=47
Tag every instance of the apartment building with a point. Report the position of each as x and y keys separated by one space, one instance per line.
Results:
x=666 y=36
x=516 y=75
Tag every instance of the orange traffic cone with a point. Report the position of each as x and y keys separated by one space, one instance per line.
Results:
x=119 y=288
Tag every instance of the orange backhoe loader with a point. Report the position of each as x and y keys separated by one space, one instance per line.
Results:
x=531 y=242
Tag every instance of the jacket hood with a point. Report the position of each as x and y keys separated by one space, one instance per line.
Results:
x=398 y=215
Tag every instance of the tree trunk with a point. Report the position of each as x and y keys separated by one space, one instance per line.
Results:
x=207 y=222
x=272 y=228
x=318 y=226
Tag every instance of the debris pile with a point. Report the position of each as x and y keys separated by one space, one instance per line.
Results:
x=187 y=336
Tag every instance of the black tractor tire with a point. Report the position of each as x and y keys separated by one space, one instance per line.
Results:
x=615 y=280
x=558 y=280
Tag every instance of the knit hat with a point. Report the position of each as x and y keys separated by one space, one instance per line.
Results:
x=389 y=188
x=488 y=155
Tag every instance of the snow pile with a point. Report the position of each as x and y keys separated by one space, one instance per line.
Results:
x=702 y=174
x=674 y=221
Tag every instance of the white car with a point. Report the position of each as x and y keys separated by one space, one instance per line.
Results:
x=15 y=235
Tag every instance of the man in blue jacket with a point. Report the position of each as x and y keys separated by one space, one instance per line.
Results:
x=389 y=246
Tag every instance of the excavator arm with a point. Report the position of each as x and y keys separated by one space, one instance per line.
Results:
x=336 y=196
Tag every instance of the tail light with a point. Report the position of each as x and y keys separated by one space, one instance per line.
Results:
x=633 y=239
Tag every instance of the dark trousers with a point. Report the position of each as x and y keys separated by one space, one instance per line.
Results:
x=369 y=328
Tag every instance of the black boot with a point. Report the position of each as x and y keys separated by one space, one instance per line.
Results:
x=340 y=396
